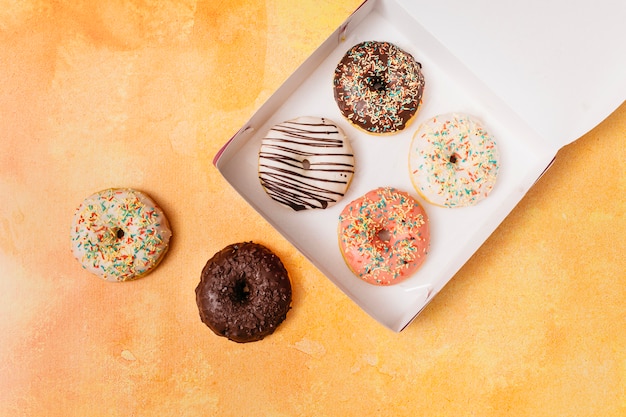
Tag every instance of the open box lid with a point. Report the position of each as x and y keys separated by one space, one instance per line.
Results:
x=559 y=64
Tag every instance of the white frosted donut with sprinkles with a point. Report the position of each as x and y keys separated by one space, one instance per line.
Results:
x=453 y=160
x=119 y=234
x=306 y=163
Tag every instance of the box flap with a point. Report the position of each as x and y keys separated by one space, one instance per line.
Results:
x=559 y=64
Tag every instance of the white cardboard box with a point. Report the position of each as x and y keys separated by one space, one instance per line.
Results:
x=536 y=87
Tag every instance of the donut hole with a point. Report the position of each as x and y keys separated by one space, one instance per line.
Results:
x=240 y=291
x=118 y=233
x=306 y=164
x=454 y=158
x=384 y=235
x=377 y=83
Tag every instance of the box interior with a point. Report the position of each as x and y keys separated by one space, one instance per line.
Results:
x=383 y=161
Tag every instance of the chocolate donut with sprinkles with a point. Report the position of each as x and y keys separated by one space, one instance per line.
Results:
x=453 y=160
x=244 y=292
x=384 y=236
x=306 y=163
x=119 y=234
x=378 y=87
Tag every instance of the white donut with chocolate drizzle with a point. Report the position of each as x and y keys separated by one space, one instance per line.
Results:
x=306 y=163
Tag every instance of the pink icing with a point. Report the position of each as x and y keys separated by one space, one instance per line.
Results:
x=384 y=236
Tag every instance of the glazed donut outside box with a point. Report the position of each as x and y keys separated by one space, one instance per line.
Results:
x=119 y=234
x=244 y=292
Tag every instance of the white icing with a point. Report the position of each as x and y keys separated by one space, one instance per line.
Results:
x=453 y=161
x=306 y=163
x=119 y=234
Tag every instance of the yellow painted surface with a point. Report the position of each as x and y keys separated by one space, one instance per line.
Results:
x=98 y=94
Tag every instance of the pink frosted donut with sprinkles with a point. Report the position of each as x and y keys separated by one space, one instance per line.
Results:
x=384 y=236
x=119 y=234
x=453 y=161
x=378 y=87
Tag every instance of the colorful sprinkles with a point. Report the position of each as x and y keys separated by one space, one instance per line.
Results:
x=453 y=161
x=378 y=87
x=119 y=234
x=384 y=236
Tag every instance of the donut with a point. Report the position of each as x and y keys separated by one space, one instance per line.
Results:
x=244 y=292
x=453 y=161
x=306 y=163
x=119 y=234
x=384 y=236
x=378 y=87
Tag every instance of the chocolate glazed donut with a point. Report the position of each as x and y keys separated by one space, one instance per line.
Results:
x=378 y=87
x=244 y=292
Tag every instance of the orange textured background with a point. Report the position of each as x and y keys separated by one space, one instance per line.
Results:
x=143 y=94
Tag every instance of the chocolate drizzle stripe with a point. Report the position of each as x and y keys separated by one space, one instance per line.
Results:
x=297 y=163
x=297 y=195
x=320 y=181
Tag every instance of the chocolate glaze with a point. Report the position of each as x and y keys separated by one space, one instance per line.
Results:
x=378 y=87
x=244 y=292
